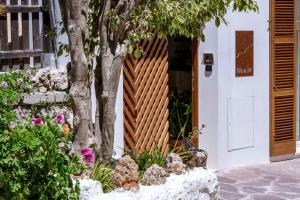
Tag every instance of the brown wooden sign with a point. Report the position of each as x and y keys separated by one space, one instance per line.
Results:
x=244 y=59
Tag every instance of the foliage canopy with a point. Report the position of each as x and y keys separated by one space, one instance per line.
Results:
x=132 y=22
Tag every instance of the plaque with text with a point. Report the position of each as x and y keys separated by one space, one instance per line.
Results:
x=244 y=55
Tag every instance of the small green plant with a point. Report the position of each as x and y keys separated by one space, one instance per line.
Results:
x=145 y=159
x=103 y=174
x=178 y=147
x=180 y=117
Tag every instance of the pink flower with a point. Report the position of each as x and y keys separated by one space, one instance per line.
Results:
x=20 y=82
x=89 y=158
x=88 y=155
x=29 y=74
x=37 y=120
x=86 y=151
x=4 y=84
x=60 y=117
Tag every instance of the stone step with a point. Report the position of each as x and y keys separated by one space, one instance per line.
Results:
x=47 y=97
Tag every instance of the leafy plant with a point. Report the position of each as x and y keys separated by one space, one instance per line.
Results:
x=33 y=166
x=34 y=161
x=180 y=117
x=12 y=87
x=144 y=159
x=178 y=147
x=103 y=174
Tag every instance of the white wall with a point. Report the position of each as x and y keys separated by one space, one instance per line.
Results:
x=223 y=87
x=119 y=124
x=56 y=16
x=208 y=96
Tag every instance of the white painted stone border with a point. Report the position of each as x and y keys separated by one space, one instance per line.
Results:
x=196 y=184
x=47 y=97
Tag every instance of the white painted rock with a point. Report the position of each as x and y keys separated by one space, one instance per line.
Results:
x=59 y=79
x=48 y=79
x=90 y=189
x=155 y=175
x=174 y=164
x=195 y=184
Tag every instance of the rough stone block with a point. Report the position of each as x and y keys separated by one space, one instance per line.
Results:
x=90 y=189
x=48 y=97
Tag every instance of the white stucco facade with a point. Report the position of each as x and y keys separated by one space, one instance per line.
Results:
x=234 y=109
x=56 y=22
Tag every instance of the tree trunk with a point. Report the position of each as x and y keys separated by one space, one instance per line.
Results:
x=107 y=79
x=74 y=17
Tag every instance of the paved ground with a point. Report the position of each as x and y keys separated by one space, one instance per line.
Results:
x=275 y=181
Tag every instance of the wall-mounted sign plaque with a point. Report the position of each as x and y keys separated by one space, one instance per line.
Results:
x=244 y=55
x=208 y=59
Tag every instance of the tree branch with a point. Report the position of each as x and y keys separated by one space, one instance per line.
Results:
x=124 y=9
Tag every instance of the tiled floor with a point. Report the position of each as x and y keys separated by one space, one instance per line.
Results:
x=274 y=181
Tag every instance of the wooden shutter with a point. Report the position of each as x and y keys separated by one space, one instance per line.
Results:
x=283 y=77
x=146 y=98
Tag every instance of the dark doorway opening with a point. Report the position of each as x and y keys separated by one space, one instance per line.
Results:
x=183 y=95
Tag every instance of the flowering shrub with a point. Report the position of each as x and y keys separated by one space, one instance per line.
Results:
x=34 y=162
x=34 y=155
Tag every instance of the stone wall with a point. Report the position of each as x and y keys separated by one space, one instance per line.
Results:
x=49 y=96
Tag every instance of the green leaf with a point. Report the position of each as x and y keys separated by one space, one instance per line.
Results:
x=217 y=21
x=180 y=19
x=137 y=53
x=130 y=48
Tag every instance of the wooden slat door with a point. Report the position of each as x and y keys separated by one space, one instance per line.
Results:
x=283 y=77
x=146 y=98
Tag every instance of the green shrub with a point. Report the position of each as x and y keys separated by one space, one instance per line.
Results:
x=34 y=161
x=12 y=87
x=145 y=159
x=33 y=166
x=103 y=174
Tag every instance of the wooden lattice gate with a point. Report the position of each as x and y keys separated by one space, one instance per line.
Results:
x=146 y=98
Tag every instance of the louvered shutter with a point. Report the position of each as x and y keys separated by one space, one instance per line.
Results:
x=146 y=98
x=283 y=77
